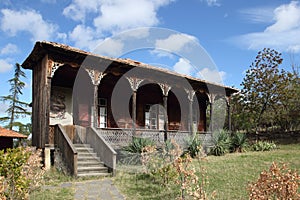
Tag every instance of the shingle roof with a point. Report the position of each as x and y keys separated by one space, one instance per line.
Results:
x=8 y=133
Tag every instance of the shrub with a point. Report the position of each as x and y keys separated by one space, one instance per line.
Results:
x=21 y=168
x=221 y=143
x=263 y=146
x=131 y=154
x=277 y=183
x=239 y=142
x=138 y=144
x=159 y=164
x=194 y=146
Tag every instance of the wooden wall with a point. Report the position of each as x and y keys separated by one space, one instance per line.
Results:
x=6 y=142
x=41 y=103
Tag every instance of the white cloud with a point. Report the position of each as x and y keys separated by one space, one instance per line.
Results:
x=212 y=2
x=5 y=66
x=79 y=9
x=84 y=37
x=283 y=34
x=258 y=14
x=9 y=49
x=110 y=47
x=160 y=53
x=212 y=75
x=175 y=42
x=112 y=16
x=30 y=21
x=120 y=15
x=183 y=67
x=287 y=18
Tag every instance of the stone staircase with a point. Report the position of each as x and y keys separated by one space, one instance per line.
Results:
x=88 y=164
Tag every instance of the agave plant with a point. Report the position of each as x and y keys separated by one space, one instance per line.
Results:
x=221 y=143
x=194 y=146
x=239 y=142
x=131 y=154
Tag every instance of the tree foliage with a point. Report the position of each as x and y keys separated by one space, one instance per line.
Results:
x=16 y=107
x=269 y=97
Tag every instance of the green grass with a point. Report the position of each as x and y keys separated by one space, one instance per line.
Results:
x=53 y=194
x=228 y=175
x=54 y=178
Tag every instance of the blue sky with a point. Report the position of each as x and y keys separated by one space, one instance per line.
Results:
x=231 y=31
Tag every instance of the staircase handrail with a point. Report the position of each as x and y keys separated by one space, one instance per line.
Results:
x=103 y=149
x=67 y=149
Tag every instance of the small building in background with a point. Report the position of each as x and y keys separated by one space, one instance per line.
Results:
x=7 y=136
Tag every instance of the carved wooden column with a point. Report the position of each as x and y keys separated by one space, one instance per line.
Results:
x=211 y=98
x=228 y=112
x=165 y=90
x=52 y=67
x=96 y=78
x=134 y=84
x=191 y=94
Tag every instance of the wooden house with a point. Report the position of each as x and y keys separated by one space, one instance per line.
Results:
x=84 y=98
x=7 y=136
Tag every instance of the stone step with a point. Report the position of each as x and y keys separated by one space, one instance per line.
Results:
x=88 y=164
x=86 y=154
x=91 y=163
x=82 y=145
x=94 y=174
x=93 y=169
x=87 y=159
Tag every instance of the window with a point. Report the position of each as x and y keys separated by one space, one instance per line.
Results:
x=154 y=117
x=102 y=113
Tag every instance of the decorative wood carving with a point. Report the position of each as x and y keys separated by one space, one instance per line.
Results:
x=53 y=67
x=134 y=83
x=95 y=76
x=211 y=97
x=191 y=94
x=165 y=88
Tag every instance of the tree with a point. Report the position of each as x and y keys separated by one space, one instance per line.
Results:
x=270 y=98
x=17 y=108
x=261 y=87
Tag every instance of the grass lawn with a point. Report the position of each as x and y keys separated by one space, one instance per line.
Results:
x=54 y=178
x=228 y=175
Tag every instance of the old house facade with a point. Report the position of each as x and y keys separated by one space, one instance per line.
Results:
x=80 y=98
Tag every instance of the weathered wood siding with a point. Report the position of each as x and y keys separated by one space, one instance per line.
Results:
x=41 y=103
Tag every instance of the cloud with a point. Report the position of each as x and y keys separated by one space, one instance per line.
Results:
x=121 y=15
x=161 y=53
x=9 y=49
x=283 y=34
x=212 y=75
x=109 y=17
x=84 y=37
x=287 y=18
x=5 y=66
x=183 y=67
x=175 y=42
x=212 y=2
x=79 y=9
x=110 y=47
x=13 y=22
x=258 y=14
